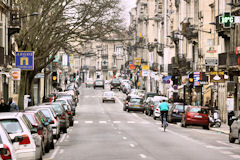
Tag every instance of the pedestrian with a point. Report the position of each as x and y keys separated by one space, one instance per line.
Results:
x=3 y=106
x=12 y=105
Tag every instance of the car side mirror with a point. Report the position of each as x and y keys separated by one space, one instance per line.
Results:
x=33 y=130
x=17 y=139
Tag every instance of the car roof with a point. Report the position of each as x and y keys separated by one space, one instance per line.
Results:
x=135 y=96
x=10 y=114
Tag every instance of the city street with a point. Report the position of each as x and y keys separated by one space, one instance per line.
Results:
x=103 y=131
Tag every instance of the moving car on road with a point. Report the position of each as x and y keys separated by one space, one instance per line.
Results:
x=99 y=83
x=90 y=82
x=135 y=104
x=108 y=96
x=196 y=115
x=115 y=84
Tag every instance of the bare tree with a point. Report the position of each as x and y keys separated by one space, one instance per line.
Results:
x=60 y=23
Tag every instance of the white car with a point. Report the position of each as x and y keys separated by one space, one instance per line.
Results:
x=7 y=150
x=89 y=83
x=17 y=124
x=108 y=96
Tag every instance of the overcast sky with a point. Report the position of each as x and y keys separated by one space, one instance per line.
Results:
x=128 y=5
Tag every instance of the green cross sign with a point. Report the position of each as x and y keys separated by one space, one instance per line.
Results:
x=226 y=20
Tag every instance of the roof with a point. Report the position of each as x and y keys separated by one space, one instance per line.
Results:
x=10 y=114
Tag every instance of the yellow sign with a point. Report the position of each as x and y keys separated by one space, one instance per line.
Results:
x=137 y=61
x=215 y=73
x=22 y=59
x=145 y=67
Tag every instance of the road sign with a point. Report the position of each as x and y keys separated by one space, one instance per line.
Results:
x=211 y=62
x=137 y=61
x=25 y=60
x=16 y=74
x=145 y=67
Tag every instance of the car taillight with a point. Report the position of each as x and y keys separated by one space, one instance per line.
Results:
x=126 y=102
x=63 y=116
x=39 y=132
x=157 y=109
x=152 y=106
x=6 y=154
x=175 y=110
x=26 y=139
x=142 y=105
x=69 y=112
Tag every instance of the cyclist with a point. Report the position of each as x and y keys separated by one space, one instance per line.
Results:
x=164 y=107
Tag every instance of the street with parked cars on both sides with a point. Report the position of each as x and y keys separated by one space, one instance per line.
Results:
x=107 y=120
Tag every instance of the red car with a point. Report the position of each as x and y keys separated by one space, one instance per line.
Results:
x=196 y=115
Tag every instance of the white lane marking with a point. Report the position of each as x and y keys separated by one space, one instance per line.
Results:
x=158 y=123
x=145 y=122
x=116 y=122
x=61 y=151
x=142 y=156
x=75 y=122
x=124 y=138
x=130 y=122
x=88 y=122
x=102 y=122
x=235 y=156
x=54 y=153
x=132 y=145
x=63 y=137
x=224 y=143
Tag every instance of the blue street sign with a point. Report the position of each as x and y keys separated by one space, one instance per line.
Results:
x=25 y=60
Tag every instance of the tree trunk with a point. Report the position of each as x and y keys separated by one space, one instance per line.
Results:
x=26 y=88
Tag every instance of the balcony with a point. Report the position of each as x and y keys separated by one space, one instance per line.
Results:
x=14 y=22
x=104 y=56
x=92 y=68
x=189 y=31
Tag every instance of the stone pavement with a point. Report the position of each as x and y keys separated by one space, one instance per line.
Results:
x=223 y=129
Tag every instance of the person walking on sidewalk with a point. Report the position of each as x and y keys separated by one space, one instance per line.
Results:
x=12 y=105
x=3 y=106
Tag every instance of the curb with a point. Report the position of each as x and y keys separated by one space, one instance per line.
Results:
x=219 y=131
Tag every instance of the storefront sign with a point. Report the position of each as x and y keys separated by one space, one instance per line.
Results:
x=217 y=77
x=211 y=61
x=144 y=73
x=131 y=66
x=145 y=67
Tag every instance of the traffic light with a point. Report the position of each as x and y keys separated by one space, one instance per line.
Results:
x=175 y=80
x=74 y=76
x=54 y=79
x=190 y=80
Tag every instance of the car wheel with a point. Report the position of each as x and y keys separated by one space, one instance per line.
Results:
x=128 y=110
x=124 y=108
x=231 y=139
x=154 y=118
x=114 y=101
x=119 y=89
x=149 y=113
x=146 y=113
x=65 y=130
x=71 y=124
x=52 y=144
x=206 y=127
x=103 y=101
x=47 y=148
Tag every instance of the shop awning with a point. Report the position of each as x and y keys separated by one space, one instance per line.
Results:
x=166 y=78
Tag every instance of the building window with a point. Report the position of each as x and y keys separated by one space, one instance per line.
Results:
x=15 y=87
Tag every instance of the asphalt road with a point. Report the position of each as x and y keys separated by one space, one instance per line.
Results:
x=103 y=131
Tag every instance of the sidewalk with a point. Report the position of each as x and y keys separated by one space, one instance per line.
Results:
x=223 y=129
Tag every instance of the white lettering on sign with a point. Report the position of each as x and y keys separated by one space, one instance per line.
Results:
x=226 y=19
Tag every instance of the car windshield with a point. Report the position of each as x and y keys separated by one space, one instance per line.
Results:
x=46 y=113
x=12 y=126
x=179 y=107
x=198 y=110
x=31 y=118
x=57 y=108
x=115 y=81
x=108 y=94
x=61 y=101
x=135 y=100
x=65 y=96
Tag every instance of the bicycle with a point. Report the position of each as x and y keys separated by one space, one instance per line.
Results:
x=165 y=123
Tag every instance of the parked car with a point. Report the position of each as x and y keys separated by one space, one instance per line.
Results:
x=89 y=82
x=156 y=112
x=176 y=112
x=152 y=104
x=115 y=84
x=66 y=101
x=234 y=130
x=62 y=115
x=47 y=114
x=99 y=83
x=43 y=129
x=68 y=110
x=16 y=124
x=7 y=150
x=196 y=115
x=67 y=96
x=108 y=96
x=135 y=104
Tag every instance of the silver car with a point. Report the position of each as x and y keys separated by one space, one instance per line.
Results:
x=108 y=96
